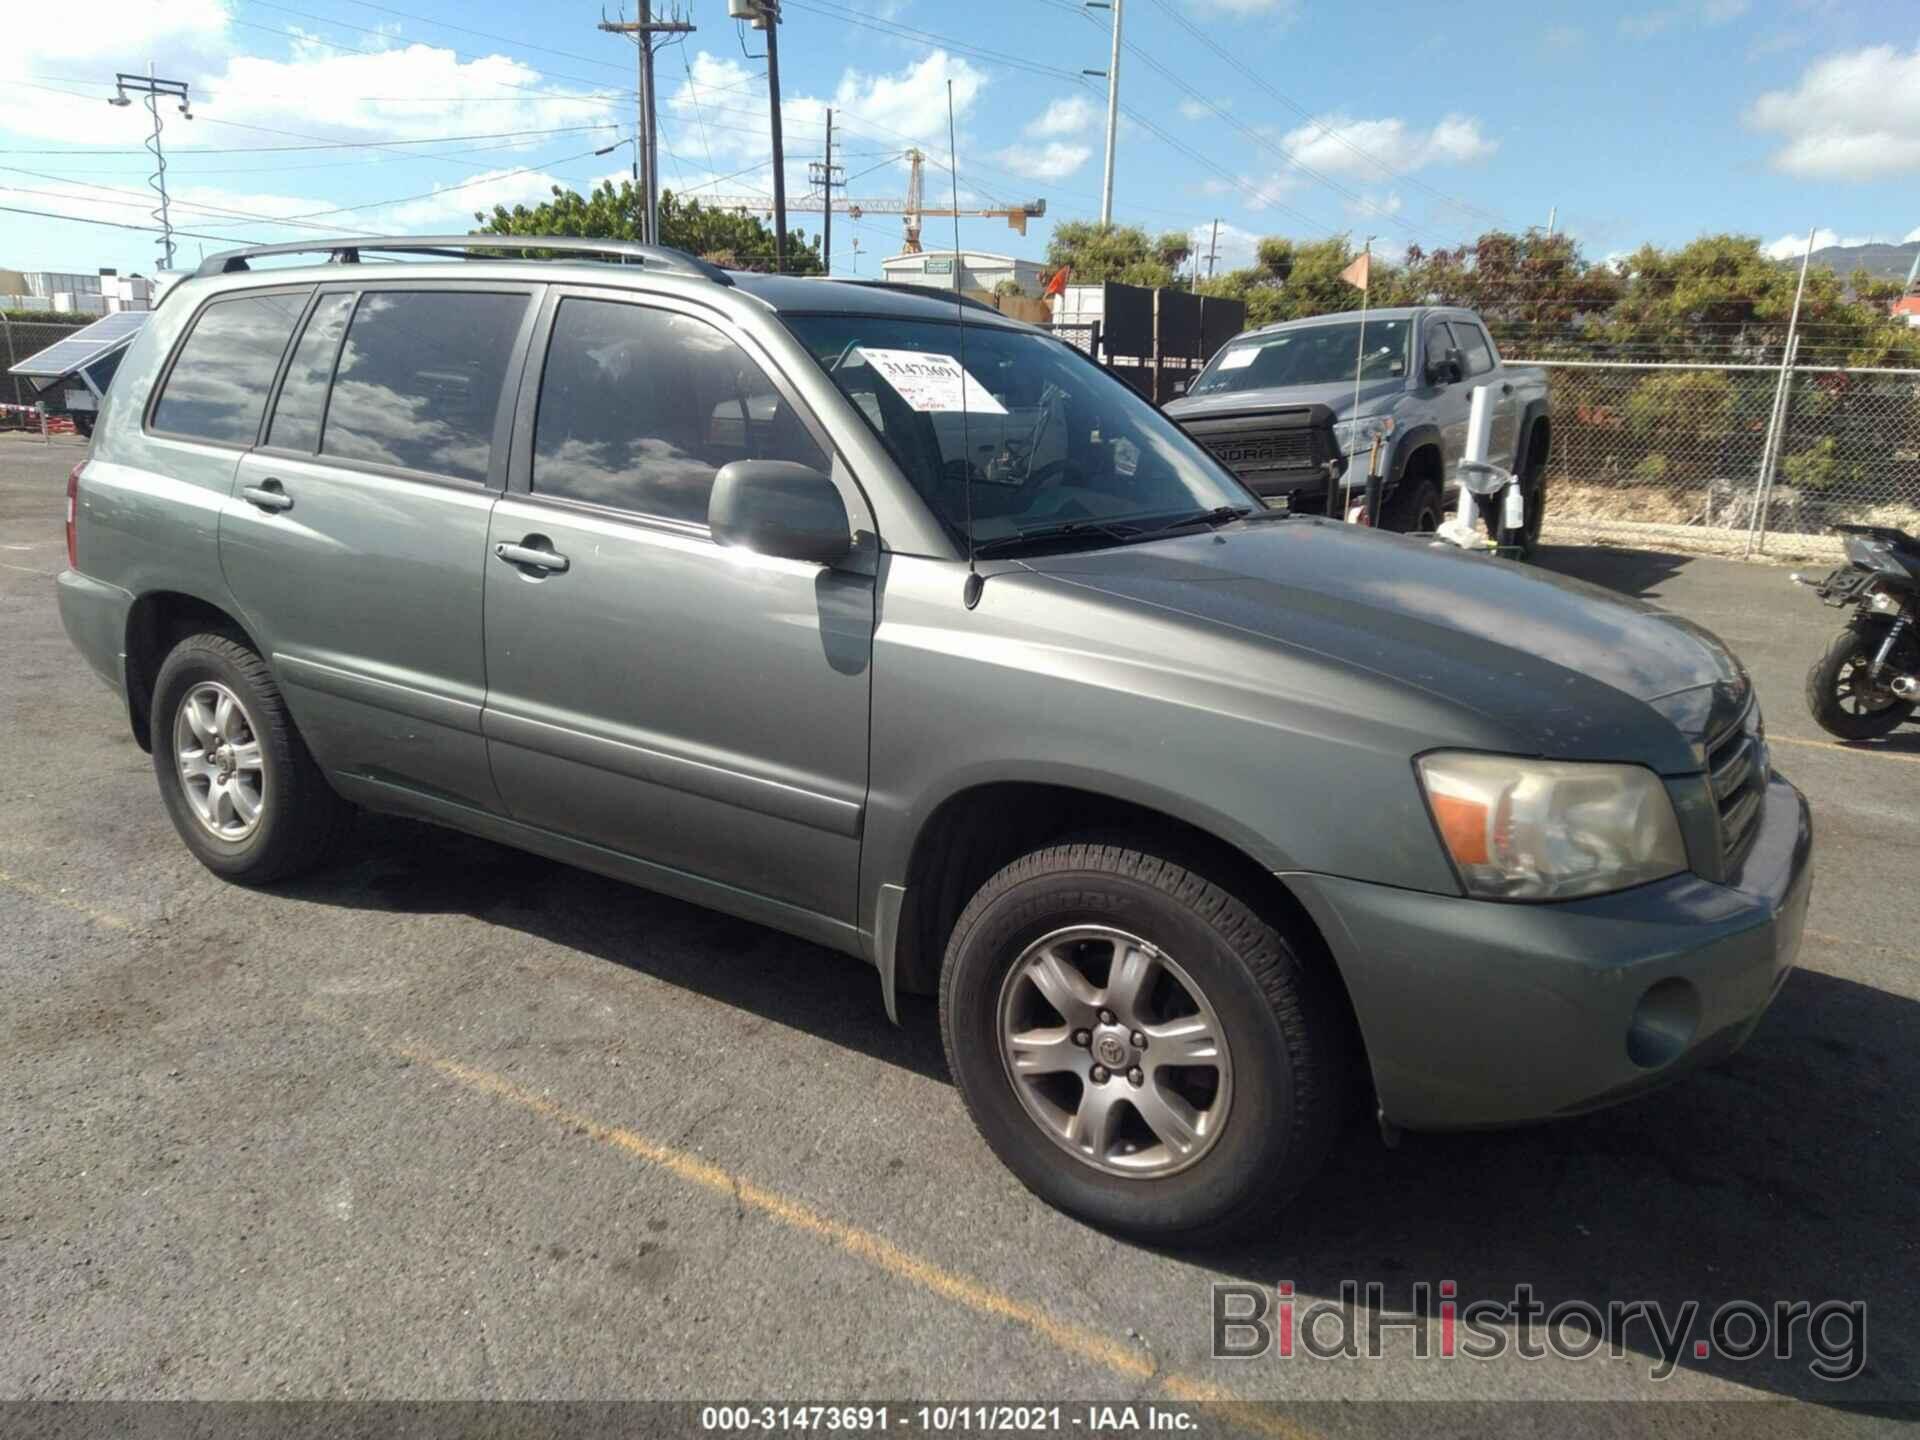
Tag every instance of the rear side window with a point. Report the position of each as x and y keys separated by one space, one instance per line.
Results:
x=639 y=409
x=418 y=383
x=303 y=394
x=1473 y=344
x=218 y=387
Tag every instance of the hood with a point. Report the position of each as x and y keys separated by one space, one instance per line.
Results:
x=1564 y=669
x=1337 y=397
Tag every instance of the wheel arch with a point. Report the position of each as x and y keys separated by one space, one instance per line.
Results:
x=1419 y=447
x=975 y=831
x=157 y=621
x=1536 y=427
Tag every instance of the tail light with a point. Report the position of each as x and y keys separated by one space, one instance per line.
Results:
x=73 y=513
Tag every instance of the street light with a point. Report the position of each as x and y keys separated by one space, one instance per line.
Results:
x=153 y=88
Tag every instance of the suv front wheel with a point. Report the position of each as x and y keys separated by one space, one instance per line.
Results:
x=237 y=780
x=1138 y=1046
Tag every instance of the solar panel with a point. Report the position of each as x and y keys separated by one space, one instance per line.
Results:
x=63 y=357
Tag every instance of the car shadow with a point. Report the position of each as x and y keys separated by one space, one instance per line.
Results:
x=1639 y=573
x=1786 y=1172
x=405 y=866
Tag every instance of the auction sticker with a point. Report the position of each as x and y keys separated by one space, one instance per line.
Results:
x=934 y=382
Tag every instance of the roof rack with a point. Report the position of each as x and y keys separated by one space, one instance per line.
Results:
x=456 y=247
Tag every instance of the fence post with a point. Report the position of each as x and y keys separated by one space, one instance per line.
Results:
x=1776 y=425
x=1770 y=460
x=6 y=328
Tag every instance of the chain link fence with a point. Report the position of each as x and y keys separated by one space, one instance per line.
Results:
x=1731 y=458
x=21 y=338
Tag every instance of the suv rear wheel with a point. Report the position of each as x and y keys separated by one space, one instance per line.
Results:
x=237 y=780
x=1137 y=1045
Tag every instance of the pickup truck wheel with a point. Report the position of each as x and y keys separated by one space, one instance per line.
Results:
x=1414 y=508
x=238 y=783
x=1138 y=1046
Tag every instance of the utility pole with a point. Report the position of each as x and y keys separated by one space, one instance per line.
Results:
x=770 y=22
x=1553 y=213
x=153 y=88
x=1113 y=112
x=646 y=147
x=1213 y=246
x=825 y=175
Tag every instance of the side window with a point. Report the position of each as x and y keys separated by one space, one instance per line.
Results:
x=303 y=394
x=1473 y=344
x=418 y=383
x=218 y=387
x=1439 y=341
x=639 y=408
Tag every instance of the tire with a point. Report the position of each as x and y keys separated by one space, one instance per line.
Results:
x=1832 y=682
x=296 y=819
x=1284 y=1075
x=1413 y=508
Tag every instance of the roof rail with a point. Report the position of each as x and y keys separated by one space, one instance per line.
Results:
x=455 y=247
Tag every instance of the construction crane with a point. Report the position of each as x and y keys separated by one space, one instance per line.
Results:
x=910 y=209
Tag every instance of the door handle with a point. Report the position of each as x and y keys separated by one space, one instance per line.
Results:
x=533 y=557
x=267 y=495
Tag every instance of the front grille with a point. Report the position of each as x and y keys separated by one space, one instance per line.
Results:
x=1737 y=766
x=1279 y=445
x=1257 y=450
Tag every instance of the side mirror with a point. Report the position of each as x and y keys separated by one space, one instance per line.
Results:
x=774 y=507
x=1449 y=371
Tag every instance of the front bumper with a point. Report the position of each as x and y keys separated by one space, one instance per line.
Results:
x=1476 y=1013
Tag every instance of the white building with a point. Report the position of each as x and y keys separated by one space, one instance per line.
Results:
x=106 y=293
x=979 y=270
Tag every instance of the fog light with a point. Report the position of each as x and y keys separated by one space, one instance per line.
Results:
x=1663 y=1024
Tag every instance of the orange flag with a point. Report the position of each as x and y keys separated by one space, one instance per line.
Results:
x=1360 y=272
x=1058 y=283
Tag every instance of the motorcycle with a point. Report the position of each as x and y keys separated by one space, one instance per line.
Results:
x=1867 y=683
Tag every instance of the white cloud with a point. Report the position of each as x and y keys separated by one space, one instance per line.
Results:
x=1055 y=160
x=1340 y=145
x=1792 y=247
x=1236 y=247
x=1911 y=236
x=1853 y=116
x=1192 y=109
x=1068 y=116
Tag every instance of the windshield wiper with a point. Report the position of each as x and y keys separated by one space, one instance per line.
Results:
x=1065 y=530
x=1213 y=519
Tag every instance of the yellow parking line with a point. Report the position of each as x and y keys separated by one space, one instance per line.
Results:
x=54 y=897
x=1117 y=1357
x=1844 y=749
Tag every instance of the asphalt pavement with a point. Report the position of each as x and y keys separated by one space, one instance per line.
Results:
x=449 y=1121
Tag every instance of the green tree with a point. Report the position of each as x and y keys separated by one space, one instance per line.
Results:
x=725 y=237
x=1097 y=253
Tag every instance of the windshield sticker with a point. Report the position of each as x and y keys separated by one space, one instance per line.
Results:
x=1240 y=359
x=932 y=382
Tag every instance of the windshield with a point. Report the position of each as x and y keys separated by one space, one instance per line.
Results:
x=1046 y=440
x=1311 y=355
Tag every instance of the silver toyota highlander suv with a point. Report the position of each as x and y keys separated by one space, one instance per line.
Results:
x=870 y=615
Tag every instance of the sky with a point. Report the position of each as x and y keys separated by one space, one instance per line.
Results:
x=1657 y=120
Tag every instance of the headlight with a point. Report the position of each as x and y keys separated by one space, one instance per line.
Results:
x=1353 y=436
x=1551 y=830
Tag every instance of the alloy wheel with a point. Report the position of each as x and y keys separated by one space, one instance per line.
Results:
x=217 y=752
x=1114 y=1051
